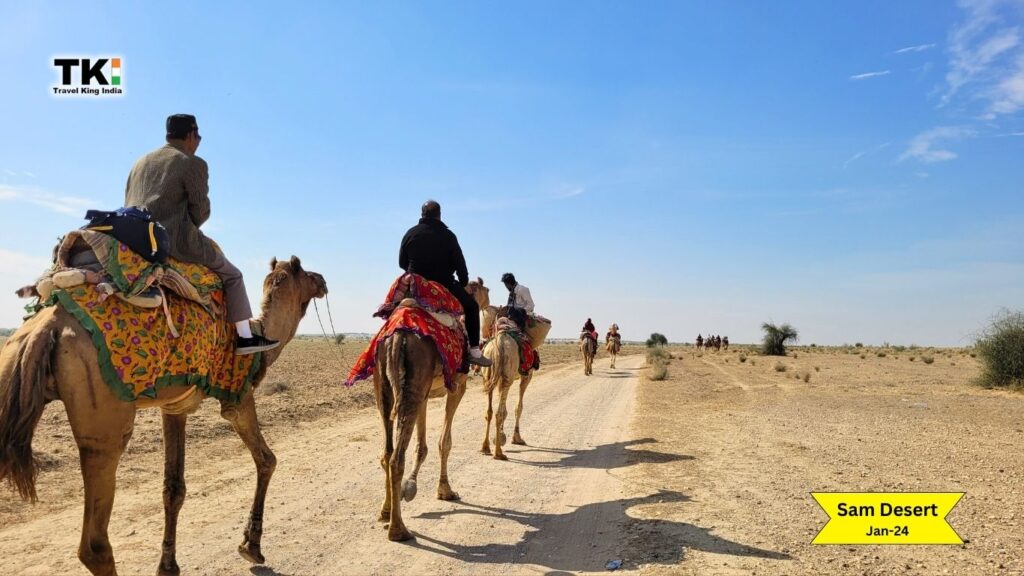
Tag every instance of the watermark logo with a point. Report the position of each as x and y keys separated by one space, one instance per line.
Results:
x=88 y=77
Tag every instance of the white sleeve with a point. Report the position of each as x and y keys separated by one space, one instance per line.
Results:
x=527 y=299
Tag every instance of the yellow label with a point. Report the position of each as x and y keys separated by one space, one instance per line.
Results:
x=887 y=517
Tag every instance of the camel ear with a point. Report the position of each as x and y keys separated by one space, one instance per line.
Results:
x=273 y=264
x=480 y=280
x=296 y=264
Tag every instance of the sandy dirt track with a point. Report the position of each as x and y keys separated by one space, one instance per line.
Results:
x=557 y=505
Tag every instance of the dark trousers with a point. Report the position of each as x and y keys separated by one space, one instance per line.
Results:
x=471 y=309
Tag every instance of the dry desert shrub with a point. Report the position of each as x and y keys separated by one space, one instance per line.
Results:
x=780 y=367
x=927 y=359
x=1001 y=347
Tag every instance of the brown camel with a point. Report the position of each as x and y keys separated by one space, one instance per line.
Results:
x=503 y=351
x=52 y=358
x=408 y=373
x=588 y=345
x=613 y=342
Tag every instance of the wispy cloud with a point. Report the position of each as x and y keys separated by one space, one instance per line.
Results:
x=569 y=192
x=925 y=146
x=62 y=204
x=986 y=59
x=918 y=48
x=867 y=75
x=27 y=173
x=862 y=154
x=10 y=172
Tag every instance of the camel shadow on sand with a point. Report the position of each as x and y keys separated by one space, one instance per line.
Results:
x=555 y=542
x=603 y=457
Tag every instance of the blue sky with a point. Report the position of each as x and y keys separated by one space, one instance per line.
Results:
x=681 y=167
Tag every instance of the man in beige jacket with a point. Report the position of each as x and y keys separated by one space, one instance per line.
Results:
x=173 y=184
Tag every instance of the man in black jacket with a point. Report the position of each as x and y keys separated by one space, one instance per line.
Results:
x=431 y=250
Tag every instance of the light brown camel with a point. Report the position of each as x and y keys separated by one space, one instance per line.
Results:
x=408 y=373
x=503 y=351
x=51 y=358
x=613 y=342
x=588 y=345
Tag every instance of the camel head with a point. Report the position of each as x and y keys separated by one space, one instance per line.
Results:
x=479 y=292
x=289 y=283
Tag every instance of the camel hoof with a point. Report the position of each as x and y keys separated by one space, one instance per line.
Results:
x=399 y=535
x=447 y=494
x=485 y=450
x=408 y=490
x=517 y=440
x=251 y=553
x=500 y=457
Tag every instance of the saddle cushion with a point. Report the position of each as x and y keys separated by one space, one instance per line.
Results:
x=430 y=298
x=137 y=350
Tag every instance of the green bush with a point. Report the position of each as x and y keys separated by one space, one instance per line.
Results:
x=775 y=338
x=927 y=359
x=881 y=354
x=859 y=345
x=1001 y=348
x=657 y=340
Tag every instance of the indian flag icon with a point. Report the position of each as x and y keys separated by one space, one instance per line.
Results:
x=115 y=73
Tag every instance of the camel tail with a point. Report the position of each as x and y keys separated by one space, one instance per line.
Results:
x=26 y=367
x=395 y=369
x=499 y=357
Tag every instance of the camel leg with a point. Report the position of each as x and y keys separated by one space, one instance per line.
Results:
x=101 y=443
x=409 y=485
x=407 y=409
x=523 y=383
x=384 y=404
x=174 y=490
x=243 y=420
x=444 y=489
x=486 y=449
x=499 y=420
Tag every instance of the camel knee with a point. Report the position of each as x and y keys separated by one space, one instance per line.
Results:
x=97 y=556
x=267 y=462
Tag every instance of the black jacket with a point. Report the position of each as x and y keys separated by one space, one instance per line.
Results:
x=431 y=250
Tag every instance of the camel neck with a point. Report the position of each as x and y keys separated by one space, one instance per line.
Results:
x=280 y=321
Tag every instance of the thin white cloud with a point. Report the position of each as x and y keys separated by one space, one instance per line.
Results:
x=867 y=75
x=862 y=154
x=925 y=146
x=10 y=172
x=27 y=173
x=62 y=204
x=918 y=48
x=570 y=192
x=986 y=59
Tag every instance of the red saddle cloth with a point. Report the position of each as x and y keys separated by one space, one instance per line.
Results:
x=527 y=355
x=429 y=296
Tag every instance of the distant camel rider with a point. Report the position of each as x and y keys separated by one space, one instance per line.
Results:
x=431 y=250
x=173 y=184
x=613 y=334
x=588 y=328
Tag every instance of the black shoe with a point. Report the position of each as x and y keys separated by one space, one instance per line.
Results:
x=253 y=345
x=481 y=361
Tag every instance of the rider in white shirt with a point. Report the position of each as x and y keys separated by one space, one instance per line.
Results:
x=518 y=295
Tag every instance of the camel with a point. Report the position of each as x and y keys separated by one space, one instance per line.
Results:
x=613 y=342
x=52 y=358
x=503 y=351
x=588 y=345
x=408 y=373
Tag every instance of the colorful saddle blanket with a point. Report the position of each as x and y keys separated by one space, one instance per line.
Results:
x=527 y=353
x=431 y=299
x=137 y=349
